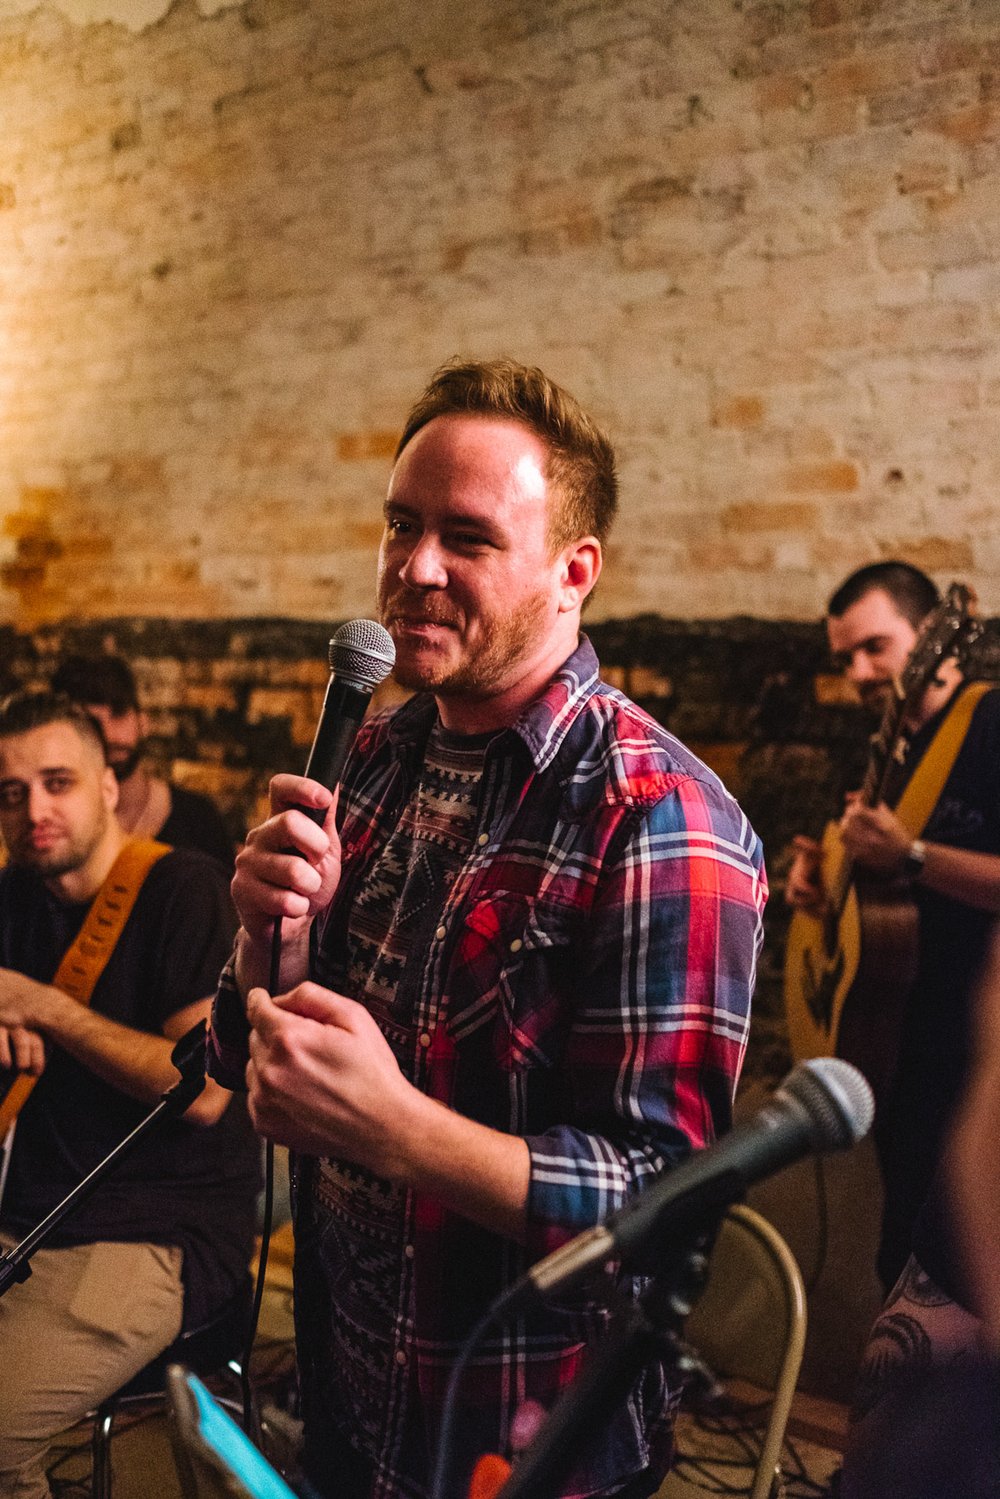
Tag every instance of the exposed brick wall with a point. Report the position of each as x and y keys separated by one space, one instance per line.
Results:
x=757 y=238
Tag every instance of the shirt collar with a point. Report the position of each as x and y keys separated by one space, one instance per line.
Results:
x=541 y=727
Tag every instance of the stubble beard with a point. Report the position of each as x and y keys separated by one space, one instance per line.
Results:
x=66 y=859
x=492 y=667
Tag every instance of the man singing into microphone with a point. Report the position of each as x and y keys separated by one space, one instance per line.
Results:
x=516 y=966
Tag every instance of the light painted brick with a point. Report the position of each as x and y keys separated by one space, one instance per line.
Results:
x=760 y=242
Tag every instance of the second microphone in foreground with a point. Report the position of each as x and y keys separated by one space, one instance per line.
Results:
x=823 y=1105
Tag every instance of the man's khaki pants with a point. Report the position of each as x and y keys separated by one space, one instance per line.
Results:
x=85 y=1321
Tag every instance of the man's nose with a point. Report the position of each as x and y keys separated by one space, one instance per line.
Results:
x=37 y=803
x=860 y=668
x=424 y=566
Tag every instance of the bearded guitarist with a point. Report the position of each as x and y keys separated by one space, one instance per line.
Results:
x=952 y=868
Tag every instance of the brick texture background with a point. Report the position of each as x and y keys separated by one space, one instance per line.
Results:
x=757 y=238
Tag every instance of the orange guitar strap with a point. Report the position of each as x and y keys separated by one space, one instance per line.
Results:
x=927 y=782
x=87 y=955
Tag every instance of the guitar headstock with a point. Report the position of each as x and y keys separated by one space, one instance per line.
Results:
x=947 y=632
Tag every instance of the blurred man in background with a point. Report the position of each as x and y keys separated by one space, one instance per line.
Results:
x=148 y=806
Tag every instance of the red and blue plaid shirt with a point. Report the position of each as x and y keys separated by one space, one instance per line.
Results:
x=586 y=985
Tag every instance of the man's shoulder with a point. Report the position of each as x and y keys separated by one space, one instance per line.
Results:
x=182 y=798
x=987 y=710
x=632 y=758
x=184 y=870
x=194 y=821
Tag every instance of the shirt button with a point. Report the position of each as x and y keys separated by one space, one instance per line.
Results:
x=483 y=839
x=400 y=1357
x=516 y=945
x=425 y=1038
x=409 y=1251
x=440 y=934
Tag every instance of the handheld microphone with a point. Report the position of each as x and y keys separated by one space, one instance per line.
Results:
x=823 y=1105
x=361 y=656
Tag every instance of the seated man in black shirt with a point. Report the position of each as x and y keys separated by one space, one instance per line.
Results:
x=168 y=1235
x=148 y=806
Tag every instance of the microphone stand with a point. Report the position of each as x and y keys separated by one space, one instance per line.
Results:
x=188 y=1056
x=644 y=1330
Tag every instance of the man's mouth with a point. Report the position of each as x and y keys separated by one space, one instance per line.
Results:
x=42 y=839
x=875 y=694
x=419 y=622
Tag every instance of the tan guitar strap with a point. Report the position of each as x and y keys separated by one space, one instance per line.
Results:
x=927 y=782
x=87 y=955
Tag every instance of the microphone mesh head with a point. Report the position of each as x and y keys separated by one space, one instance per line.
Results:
x=362 y=654
x=837 y=1098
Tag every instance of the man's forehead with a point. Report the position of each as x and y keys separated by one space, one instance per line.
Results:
x=470 y=447
x=875 y=613
x=48 y=747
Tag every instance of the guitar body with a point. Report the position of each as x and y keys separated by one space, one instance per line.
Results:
x=822 y=956
x=848 y=976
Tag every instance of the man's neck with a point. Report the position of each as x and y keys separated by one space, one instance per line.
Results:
x=947 y=680
x=82 y=884
x=133 y=794
x=143 y=803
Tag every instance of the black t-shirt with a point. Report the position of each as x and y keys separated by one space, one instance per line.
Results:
x=184 y=1184
x=938 y=1026
x=954 y=937
x=194 y=822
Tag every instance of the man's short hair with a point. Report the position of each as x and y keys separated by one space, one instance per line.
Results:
x=912 y=591
x=581 y=463
x=37 y=707
x=100 y=681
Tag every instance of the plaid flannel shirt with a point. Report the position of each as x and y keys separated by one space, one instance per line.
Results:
x=587 y=987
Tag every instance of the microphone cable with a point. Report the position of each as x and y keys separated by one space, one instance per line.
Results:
x=361 y=655
x=251 y=1424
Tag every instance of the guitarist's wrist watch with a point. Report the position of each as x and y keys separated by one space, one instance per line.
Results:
x=914 y=860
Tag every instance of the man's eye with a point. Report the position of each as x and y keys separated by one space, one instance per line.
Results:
x=397 y=527
x=58 y=784
x=11 y=797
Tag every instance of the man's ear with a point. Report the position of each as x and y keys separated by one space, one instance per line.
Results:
x=581 y=563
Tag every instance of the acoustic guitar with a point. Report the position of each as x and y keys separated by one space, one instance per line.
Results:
x=848 y=972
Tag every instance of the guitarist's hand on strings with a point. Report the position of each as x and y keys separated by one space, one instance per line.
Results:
x=875 y=838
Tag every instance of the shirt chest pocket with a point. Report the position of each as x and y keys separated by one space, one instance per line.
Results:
x=510 y=985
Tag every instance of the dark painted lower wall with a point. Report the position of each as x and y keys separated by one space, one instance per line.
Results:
x=232 y=701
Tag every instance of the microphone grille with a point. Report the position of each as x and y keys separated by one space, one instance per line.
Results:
x=837 y=1098
x=362 y=654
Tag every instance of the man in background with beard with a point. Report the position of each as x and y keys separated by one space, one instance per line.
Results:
x=148 y=806
x=873 y=623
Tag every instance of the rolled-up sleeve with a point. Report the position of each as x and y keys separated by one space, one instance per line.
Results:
x=660 y=1027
